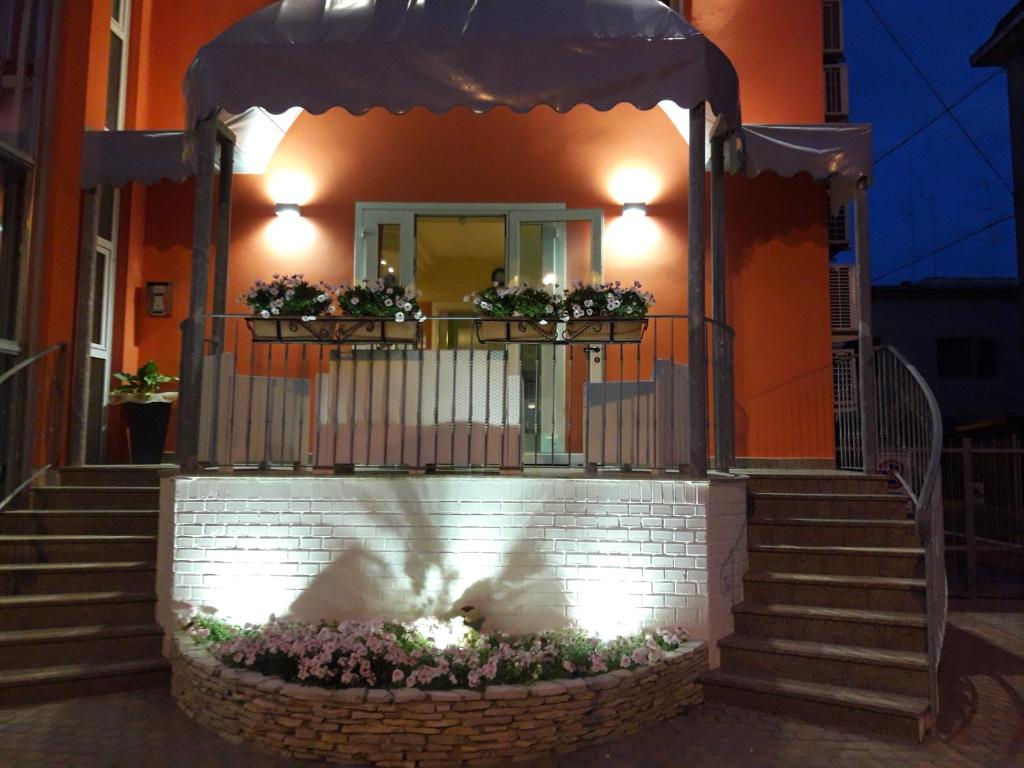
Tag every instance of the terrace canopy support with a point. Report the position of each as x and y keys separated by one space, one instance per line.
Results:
x=697 y=302
x=724 y=391
x=865 y=336
x=84 y=300
x=193 y=327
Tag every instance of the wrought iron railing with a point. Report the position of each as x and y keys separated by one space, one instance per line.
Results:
x=910 y=449
x=336 y=395
x=31 y=396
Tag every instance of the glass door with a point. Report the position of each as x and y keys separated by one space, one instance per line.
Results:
x=553 y=249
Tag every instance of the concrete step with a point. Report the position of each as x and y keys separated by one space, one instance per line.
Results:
x=887 y=713
x=838 y=591
x=49 y=578
x=33 y=686
x=79 y=521
x=830 y=505
x=876 y=669
x=114 y=474
x=95 y=497
x=876 y=629
x=75 y=549
x=857 y=561
x=817 y=531
x=779 y=481
x=31 y=648
x=76 y=609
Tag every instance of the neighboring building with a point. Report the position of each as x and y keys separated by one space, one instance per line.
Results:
x=962 y=335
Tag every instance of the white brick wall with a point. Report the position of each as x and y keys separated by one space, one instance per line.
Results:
x=529 y=553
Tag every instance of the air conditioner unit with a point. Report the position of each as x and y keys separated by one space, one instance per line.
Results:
x=832 y=17
x=842 y=296
x=837 y=92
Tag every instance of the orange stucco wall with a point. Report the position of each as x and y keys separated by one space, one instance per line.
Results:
x=777 y=238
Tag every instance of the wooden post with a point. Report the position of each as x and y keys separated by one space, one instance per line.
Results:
x=865 y=337
x=697 y=304
x=725 y=422
x=223 y=246
x=192 y=328
x=84 y=300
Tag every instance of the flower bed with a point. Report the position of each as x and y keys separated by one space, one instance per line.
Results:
x=418 y=728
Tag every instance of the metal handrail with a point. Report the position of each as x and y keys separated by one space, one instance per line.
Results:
x=59 y=346
x=60 y=349
x=928 y=515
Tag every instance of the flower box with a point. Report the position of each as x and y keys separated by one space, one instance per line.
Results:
x=374 y=330
x=290 y=329
x=605 y=329
x=522 y=330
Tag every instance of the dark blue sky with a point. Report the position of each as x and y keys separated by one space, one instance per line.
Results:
x=937 y=189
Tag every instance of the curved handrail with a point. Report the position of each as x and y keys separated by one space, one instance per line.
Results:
x=56 y=396
x=60 y=346
x=928 y=516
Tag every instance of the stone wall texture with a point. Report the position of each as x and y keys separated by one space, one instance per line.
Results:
x=409 y=728
x=610 y=555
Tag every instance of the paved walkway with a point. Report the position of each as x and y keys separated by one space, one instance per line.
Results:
x=982 y=725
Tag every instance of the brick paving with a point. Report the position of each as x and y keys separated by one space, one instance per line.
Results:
x=981 y=726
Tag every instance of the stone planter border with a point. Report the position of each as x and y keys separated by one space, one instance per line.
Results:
x=410 y=728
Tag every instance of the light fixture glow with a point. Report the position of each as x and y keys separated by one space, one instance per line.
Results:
x=288 y=210
x=630 y=183
x=550 y=279
x=637 y=210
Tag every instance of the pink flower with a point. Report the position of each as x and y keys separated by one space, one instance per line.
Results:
x=397 y=676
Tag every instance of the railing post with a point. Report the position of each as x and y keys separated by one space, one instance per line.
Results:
x=969 y=533
x=698 y=353
x=192 y=328
x=865 y=337
x=82 y=340
x=1018 y=489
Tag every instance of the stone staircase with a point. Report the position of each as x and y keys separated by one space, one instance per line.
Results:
x=77 y=587
x=832 y=628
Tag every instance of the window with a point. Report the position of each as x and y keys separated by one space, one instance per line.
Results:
x=832 y=16
x=23 y=28
x=838 y=228
x=837 y=92
x=967 y=357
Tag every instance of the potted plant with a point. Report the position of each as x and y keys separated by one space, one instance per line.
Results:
x=516 y=313
x=287 y=309
x=382 y=311
x=607 y=312
x=148 y=410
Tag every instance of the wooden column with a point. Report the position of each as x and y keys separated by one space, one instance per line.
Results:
x=865 y=337
x=698 y=353
x=223 y=244
x=84 y=300
x=191 y=371
x=725 y=419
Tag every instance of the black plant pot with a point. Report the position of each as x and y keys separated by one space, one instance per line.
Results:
x=147 y=430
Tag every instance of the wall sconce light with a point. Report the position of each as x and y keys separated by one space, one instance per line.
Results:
x=288 y=210
x=634 y=210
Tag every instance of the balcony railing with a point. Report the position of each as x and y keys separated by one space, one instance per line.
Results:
x=440 y=395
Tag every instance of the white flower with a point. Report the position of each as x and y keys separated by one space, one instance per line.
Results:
x=322 y=298
x=331 y=309
x=354 y=300
x=275 y=311
x=389 y=291
x=308 y=318
x=274 y=290
x=590 y=311
x=388 y=303
x=588 y=303
x=264 y=314
x=542 y=322
x=289 y=293
x=399 y=317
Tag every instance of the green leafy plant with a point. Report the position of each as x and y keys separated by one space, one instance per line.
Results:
x=499 y=301
x=142 y=385
x=288 y=296
x=381 y=298
x=607 y=300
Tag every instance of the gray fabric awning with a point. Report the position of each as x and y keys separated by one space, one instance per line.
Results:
x=116 y=158
x=442 y=54
x=839 y=153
